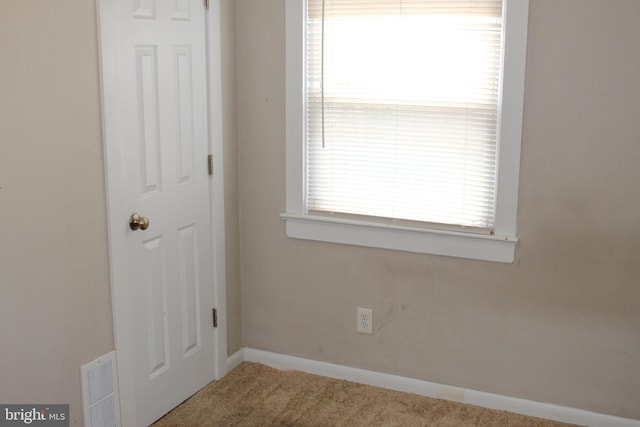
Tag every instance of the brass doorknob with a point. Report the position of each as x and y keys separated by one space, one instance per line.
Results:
x=138 y=222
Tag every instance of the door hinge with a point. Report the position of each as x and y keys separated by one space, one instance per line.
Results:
x=210 y=164
x=206 y=4
x=215 y=317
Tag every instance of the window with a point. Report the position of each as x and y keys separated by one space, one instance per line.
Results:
x=404 y=122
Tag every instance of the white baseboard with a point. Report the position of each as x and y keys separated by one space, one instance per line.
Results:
x=235 y=359
x=429 y=389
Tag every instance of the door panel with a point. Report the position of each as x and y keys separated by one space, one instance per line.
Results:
x=190 y=290
x=155 y=90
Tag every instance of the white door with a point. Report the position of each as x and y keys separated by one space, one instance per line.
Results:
x=153 y=62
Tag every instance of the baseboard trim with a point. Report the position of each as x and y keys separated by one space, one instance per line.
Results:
x=235 y=359
x=429 y=389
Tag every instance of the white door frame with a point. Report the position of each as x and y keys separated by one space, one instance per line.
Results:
x=216 y=189
x=115 y=194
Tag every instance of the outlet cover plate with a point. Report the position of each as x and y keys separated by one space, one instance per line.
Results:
x=365 y=320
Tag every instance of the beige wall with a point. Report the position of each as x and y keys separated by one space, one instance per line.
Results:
x=231 y=202
x=562 y=323
x=55 y=307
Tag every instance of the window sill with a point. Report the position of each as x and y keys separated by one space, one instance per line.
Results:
x=403 y=238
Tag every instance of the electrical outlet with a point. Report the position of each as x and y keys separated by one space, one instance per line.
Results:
x=365 y=320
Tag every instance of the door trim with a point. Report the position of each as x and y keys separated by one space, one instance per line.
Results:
x=216 y=189
x=114 y=181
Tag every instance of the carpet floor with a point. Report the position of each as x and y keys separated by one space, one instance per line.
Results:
x=257 y=395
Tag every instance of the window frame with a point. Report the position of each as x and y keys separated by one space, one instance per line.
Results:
x=499 y=246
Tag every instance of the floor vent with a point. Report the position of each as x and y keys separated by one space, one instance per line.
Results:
x=100 y=392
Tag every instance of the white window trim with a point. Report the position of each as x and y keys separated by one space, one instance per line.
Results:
x=499 y=247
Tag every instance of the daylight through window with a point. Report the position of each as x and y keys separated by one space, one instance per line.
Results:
x=402 y=109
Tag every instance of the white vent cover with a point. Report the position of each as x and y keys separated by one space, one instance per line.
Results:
x=100 y=392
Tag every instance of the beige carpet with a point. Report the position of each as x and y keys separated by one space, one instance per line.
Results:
x=257 y=395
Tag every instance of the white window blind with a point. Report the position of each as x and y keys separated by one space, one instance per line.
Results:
x=402 y=109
